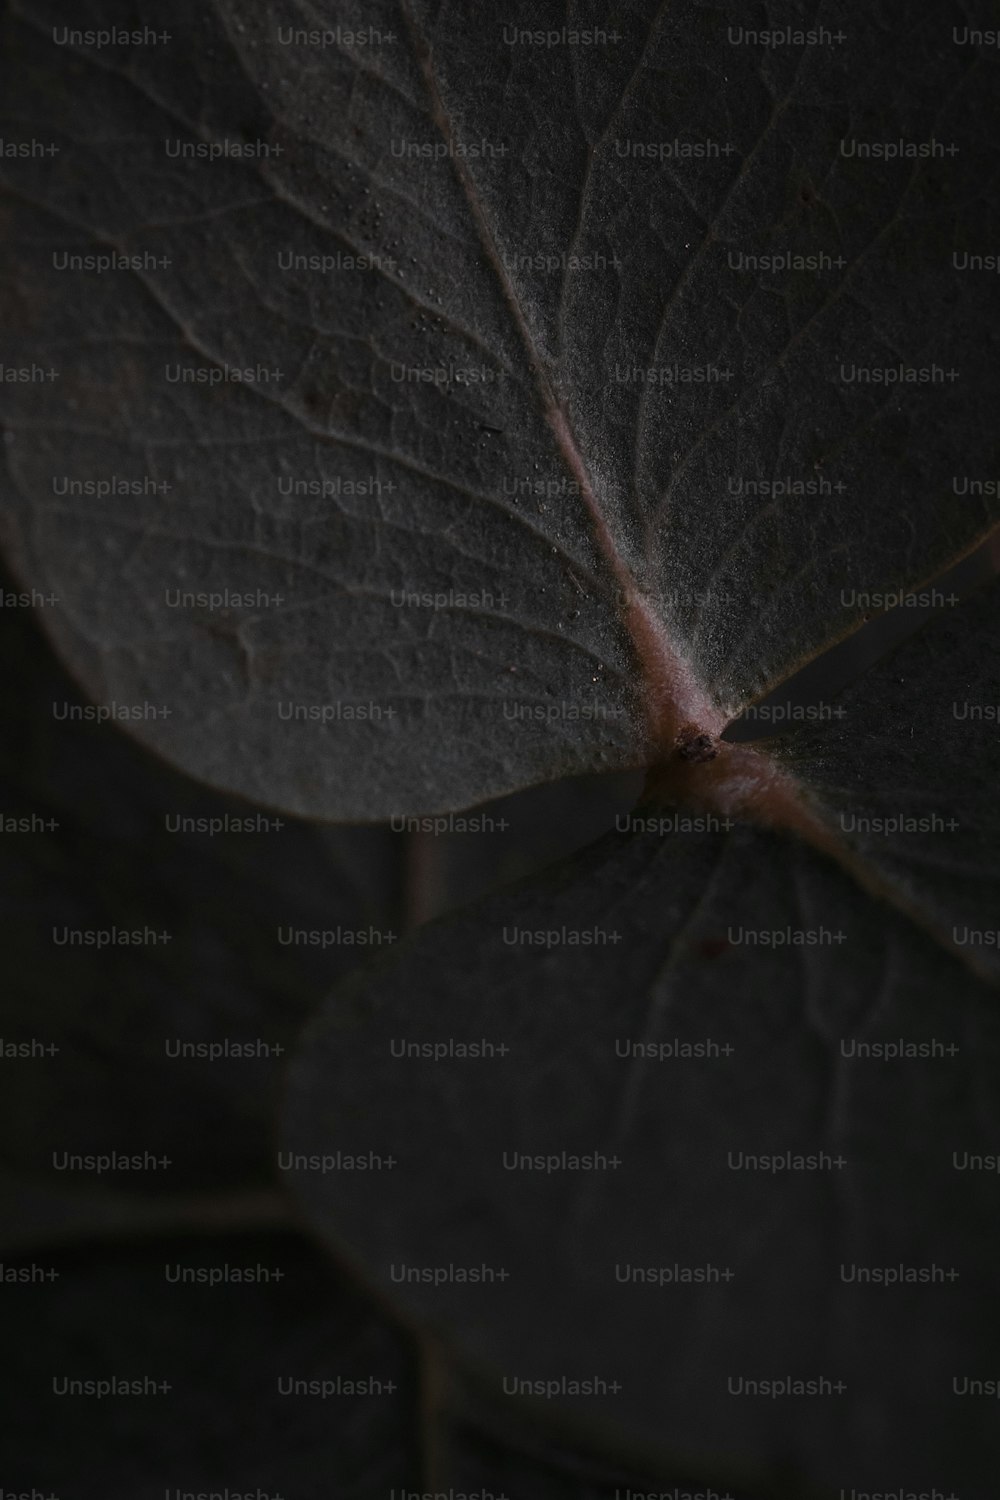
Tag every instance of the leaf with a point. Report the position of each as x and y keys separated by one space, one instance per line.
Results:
x=451 y=588
x=743 y=1056
x=227 y=1349
x=903 y=769
x=602 y=582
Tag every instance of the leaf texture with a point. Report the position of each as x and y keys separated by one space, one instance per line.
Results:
x=787 y=1098
x=534 y=376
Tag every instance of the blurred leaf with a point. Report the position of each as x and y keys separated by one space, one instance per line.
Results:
x=714 y=1022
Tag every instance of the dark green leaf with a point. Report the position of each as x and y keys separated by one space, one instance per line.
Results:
x=521 y=247
x=767 y=997
x=904 y=769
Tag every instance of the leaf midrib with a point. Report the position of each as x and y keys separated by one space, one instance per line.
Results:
x=673 y=695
